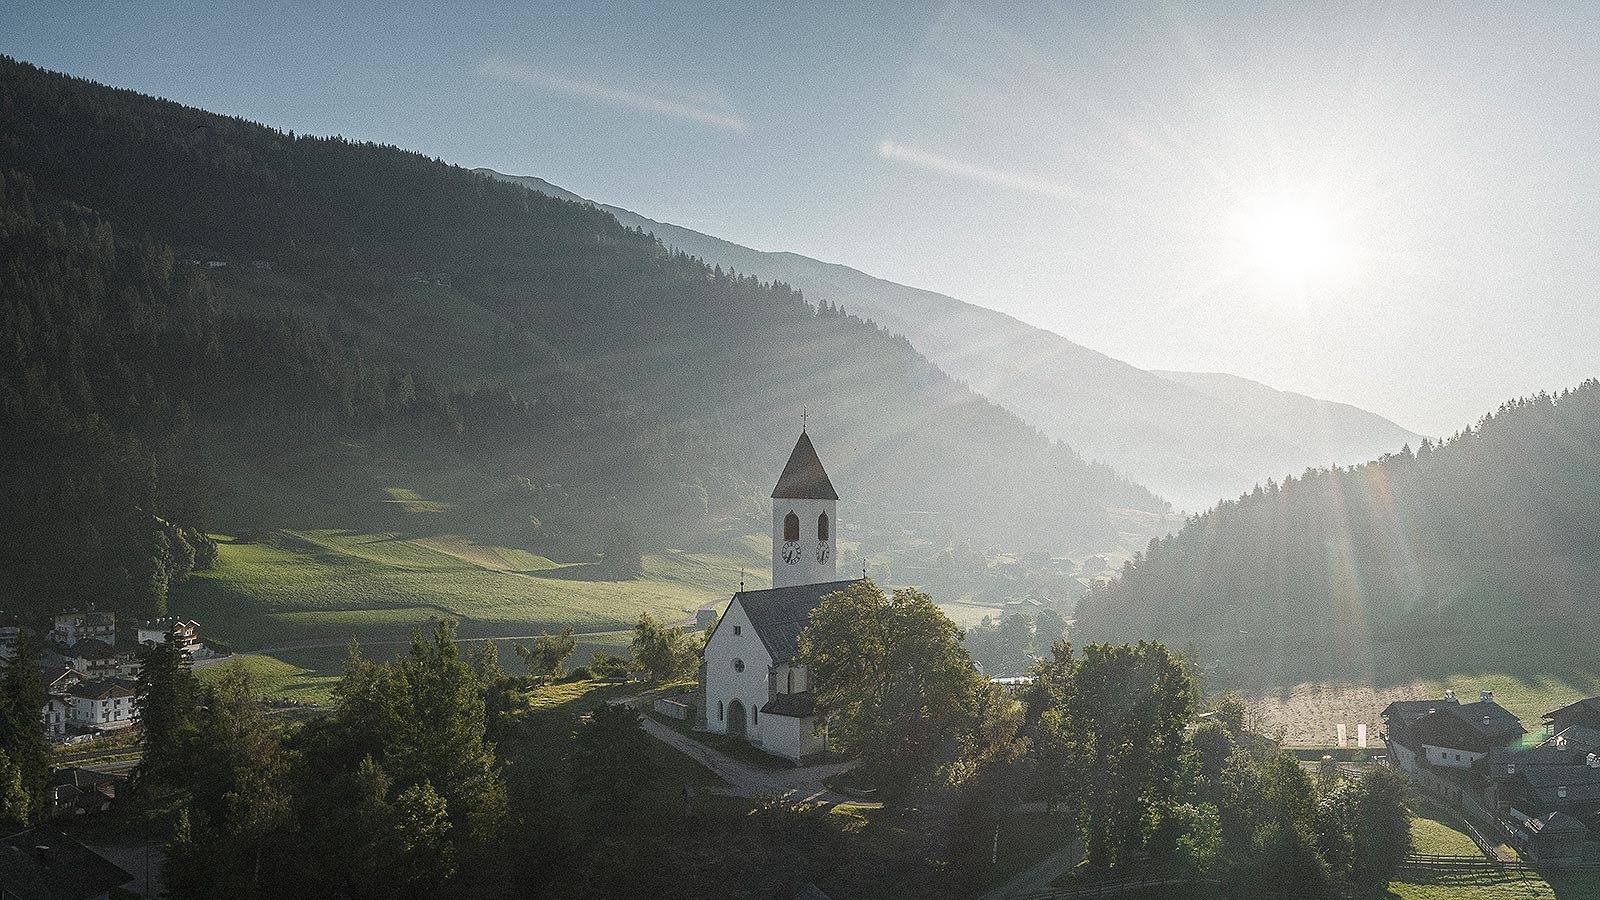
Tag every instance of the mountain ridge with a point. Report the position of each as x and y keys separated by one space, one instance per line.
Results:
x=1186 y=444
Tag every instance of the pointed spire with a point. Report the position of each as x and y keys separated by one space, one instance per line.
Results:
x=804 y=477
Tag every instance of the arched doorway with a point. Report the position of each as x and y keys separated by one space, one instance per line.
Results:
x=735 y=717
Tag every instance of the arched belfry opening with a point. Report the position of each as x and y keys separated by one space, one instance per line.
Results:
x=791 y=527
x=822 y=527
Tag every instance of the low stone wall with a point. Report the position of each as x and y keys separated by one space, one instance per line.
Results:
x=681 y=707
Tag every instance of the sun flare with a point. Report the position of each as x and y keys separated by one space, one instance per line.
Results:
x=1289 y=239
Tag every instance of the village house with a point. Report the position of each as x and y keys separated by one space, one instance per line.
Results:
x=71 y=627
x=1437 y=742
x=104 y=704
x=76 y=791
x=749 y=684
x=95 y=658
x=184 y=633
x=1551 y=790
x=1585 y=713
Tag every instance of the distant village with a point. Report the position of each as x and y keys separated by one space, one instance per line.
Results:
x=88 y=674
x=1539 y=793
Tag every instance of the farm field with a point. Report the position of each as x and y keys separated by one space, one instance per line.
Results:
x=1435 y=833
x=316 y=586
x=1308 y=712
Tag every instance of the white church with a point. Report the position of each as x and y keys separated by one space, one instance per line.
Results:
x=748 y=683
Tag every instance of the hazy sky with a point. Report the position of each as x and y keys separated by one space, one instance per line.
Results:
x=1391 y=206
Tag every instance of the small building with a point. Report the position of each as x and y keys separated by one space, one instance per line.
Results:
x=1554 y=836
x=95 y=658
x=91 y=624
x=1585 y=713
x=77 y=791
x=43 y=863
x=57 y=712
x=104 y=704
x=1430 y=737
x=216 y=263
x=183 y=632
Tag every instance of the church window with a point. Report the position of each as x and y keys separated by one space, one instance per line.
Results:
x=822 y=527
x=791 y=527
x=755 y=714
x=738 y=665
x=791 y=681
x=738 y=630
x=719 y=710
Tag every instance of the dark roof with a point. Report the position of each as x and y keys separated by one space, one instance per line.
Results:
x=780 y=614
x=1588 y=704
x=1500 y=724
x=795 y=706
x=1552 y=823
x=44 y=864
x=92 y=648
x=804 y=478
x=1582 y=783
x=102 y=687
x=84 y=778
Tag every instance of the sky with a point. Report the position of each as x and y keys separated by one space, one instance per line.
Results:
x=1387 y=205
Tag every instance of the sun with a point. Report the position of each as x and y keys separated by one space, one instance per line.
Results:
x=1290 y=239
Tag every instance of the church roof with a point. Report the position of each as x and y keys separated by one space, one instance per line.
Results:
x=804 y=477
x=780 y=614
x=795 y=706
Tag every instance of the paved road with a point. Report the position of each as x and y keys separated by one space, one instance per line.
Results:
x=802 y=784
x=1038 y=877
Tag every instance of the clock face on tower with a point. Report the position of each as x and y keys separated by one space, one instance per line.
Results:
x=822 y=551
x=791 y=552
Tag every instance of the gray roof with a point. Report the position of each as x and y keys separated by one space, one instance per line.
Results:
x=92 y=648
x=795 y=706
x=45 y=864
x=1589 y=703
x=1501 y=721
x=780 y=614
x=102 y=687
x=1582 y=782
x=803 y=477
x=1552 y=823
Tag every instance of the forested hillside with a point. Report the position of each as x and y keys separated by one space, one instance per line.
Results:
x=1479 y=554
x=380 y=309
x=1191 y=438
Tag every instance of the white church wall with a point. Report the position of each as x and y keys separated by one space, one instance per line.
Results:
x=805 y=567
x=790 y=737
x=736 y=639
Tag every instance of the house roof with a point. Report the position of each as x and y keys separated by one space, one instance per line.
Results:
x=1545 y=781
x=101 y=688
x=43 y=863
x=1488 y=719
x=1556 y=822
x=803 y=477
x=1574 y=740
x=795 y=706
x=92 y=648
x=779 y=614
x=84 y=778
x=1588 y=704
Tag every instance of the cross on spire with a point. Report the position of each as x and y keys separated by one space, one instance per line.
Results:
x=805 y=412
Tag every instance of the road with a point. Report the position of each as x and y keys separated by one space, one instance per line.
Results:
x=803 y=784
x=1037 y=878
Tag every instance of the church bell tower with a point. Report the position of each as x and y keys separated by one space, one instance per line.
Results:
x=805 y=521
